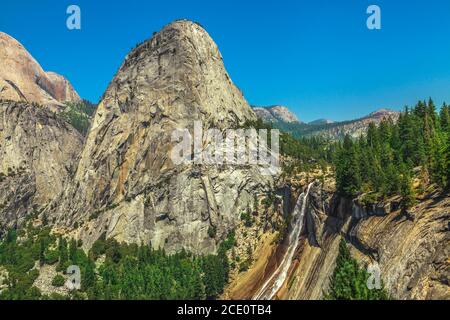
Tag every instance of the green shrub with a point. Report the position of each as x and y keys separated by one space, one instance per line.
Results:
x=247 y=218
x=51 y=257
x=212 y=230
x=244 y=265
x=58 y=281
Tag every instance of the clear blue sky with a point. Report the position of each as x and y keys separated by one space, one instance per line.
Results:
x=317 y=56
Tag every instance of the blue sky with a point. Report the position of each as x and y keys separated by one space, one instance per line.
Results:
x=316 y=57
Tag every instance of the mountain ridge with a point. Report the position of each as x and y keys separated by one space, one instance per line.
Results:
x=276 y=113
x=23 y=79
x=334 y=130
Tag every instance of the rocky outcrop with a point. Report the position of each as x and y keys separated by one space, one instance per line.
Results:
x=126 y=185
x=276 y=114
x=412 y=248
x=23 y=79
x=37 y=153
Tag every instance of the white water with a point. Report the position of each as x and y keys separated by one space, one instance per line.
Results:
x=276 y=280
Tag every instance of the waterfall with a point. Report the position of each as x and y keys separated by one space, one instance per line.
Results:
x=276 y=280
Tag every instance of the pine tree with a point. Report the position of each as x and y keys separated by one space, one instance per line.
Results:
x=88 y=275
x=63 y=254
x=42 y=252
x=444 y=117
x=447 y=162
x=349 y=281
x=431 y=111
x=73 y=251
x=347 y=168
x=407 y=192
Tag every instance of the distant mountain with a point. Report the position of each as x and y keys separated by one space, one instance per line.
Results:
x=329 y=129
x=276 y=114
x=354 y=128
x=320 y=122
x=23 y=79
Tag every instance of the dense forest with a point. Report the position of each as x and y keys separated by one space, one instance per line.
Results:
x=385 y=160
x=110 y=270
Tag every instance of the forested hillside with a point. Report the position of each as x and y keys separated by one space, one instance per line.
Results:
x=109 y=270
x=79 y=114
x=385 y=160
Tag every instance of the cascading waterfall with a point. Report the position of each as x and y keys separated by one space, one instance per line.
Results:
x=276 y=280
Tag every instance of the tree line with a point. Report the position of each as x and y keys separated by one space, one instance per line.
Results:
x=385 y=160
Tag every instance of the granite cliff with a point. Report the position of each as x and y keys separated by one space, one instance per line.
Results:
x=126 y=185
x=23 y=79
x=38 y=151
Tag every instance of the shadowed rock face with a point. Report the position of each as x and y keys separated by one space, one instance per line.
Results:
x=22 y=78
x=37 y=152
x=126 y=181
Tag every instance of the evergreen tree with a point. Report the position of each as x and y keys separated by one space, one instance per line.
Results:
x=73 y=251
x=347 y=168
x=349 y=281
x=407 y=192
x=42 y=252
x=445 y=118
x=88 y=275
x=447 y=162
x=63 y=254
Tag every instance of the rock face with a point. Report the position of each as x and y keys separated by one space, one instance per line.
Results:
x=62 y=89
x=276 y=114
x=37 y=151
x=327 y=217
x=22 y=78
x=412 y=249
x=126 y=184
